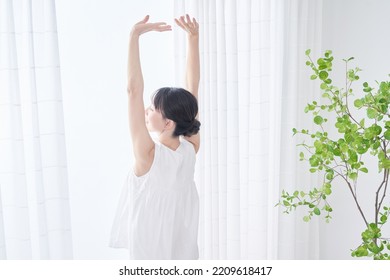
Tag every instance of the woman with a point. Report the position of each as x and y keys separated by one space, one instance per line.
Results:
x=157 y=215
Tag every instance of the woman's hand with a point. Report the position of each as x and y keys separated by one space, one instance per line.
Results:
x=144 y=26
x=188 y=25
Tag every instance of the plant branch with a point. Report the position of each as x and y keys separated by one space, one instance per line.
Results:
x=357 y=203
x=378 y=204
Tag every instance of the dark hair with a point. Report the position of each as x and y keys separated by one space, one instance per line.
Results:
x=180 y=106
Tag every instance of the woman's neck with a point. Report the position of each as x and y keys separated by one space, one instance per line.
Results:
x=168 y=140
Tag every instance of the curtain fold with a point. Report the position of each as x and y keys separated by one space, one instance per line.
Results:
x=252 y=84
x=34 y=205
x=302 y=30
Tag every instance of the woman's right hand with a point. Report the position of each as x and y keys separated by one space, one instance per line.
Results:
x=144 y=26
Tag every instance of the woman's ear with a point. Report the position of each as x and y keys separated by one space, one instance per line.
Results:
x=170 y=124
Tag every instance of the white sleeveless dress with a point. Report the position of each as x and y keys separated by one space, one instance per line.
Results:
x=158 y=213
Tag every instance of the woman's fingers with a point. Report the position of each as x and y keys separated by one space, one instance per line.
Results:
x=188 y=19
x=195 y=22
x=179 y=23
x=188 y=25
x=159 y=23
x=163 y=27
x=160 y=26
x=145 y=20
x=144 y=26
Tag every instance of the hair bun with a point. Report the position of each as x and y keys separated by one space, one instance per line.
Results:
x=188 y=128
x=195 y=126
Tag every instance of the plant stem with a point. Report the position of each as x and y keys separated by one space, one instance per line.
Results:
x=385 y=178
x=378 y=204
x=349 y=112
x=357 y=203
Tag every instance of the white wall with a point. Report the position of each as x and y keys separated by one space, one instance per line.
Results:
x=93 y=37
x=358 y=29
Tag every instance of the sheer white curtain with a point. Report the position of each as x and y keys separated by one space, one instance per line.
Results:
x=34 y=204
x=253 y=84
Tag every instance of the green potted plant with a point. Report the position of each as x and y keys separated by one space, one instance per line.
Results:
x=341 y=157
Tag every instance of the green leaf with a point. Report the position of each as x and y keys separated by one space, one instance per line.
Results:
x=358 y=103
x=368 y=134
x=361 y=252
x=352 y=156
x=367 y=89
x=363 y=169
x=321 y=61
x=306 y=218
x=348 y=138
x=323 y=75
x=373 y=226
x=323 y=86
x=318 y=120
x=374 y=248
x=329 y=176
x=328 y=208
x=314 y=161
x=386 y=163
x=318 y=145
x=307 y=52
x=377 y=129
x=322 y=67
x=327 y=191
x=383 y=219
x=286 y=203
x=344 y=147
x=353 y=176
x=387 y=134
x=371 y=113
x=376 y=145
x=337 y=152
x=313 y=77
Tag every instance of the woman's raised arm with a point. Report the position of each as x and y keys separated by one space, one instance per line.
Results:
x=193 y=63
x=143 y=145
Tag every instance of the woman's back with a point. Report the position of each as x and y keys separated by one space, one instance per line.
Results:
x=157 y=217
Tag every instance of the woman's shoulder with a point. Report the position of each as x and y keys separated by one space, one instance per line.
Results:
x=189 y=146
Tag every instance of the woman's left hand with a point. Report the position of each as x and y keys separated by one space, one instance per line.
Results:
x=188 y=25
